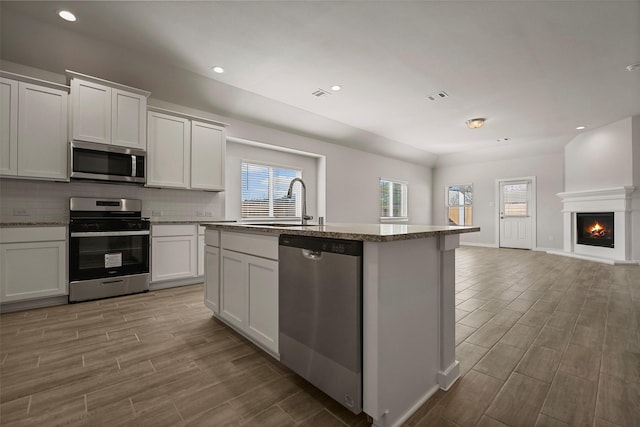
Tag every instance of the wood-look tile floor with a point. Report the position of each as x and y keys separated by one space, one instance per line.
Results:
x=542 y=340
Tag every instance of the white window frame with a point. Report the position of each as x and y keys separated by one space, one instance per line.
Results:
x=297 y=191
x=447 y=206
x=405 y=202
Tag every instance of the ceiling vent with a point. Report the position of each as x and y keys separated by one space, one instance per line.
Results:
x=319 y=93
x=438 y=95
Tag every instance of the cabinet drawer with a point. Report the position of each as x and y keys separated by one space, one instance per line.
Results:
x=261 y=245
x=32 y=234
x=173 y=230
x=212 y=238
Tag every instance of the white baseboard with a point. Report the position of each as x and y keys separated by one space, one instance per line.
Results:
x=481 y=245
x=592 y=258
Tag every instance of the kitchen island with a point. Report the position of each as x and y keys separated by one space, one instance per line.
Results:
x=408 y=299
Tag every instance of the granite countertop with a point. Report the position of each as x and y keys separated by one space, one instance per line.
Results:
x=351 y=231
x=34 y=224
x=199 y=220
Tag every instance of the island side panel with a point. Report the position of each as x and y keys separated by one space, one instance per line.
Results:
x=401 y=339
x=449 y=366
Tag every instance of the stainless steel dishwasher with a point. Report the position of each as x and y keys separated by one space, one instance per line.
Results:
x=320 y=304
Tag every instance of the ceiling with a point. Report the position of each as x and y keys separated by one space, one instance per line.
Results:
x=534 y=69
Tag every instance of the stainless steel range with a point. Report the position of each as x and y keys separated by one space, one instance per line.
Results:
x=108 y=248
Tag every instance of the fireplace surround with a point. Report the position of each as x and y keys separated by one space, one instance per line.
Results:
x=613 y=205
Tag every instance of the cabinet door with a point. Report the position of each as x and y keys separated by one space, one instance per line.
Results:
x=8 y=127
x=212 y=278
x=42 y=132
x=32 y=270
x=91 y=105
x=128 y=119
x=262 y=281
x=207 y=156
x=201 y=248
x=168 y=149
x=173 y=257
x=233 y=288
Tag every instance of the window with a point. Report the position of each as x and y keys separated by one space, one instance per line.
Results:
x=515 y=198
x=264 y=192
x=393 y=199
x=460 y=204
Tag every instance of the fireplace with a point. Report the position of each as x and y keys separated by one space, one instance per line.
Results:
x=595 y=229
x=611 y=209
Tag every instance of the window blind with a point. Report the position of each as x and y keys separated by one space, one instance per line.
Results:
x=264 y=192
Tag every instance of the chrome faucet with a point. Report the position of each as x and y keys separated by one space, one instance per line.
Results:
x=305 y=217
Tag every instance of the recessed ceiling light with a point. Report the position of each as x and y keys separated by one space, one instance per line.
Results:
x=475 y=123
x=580 y=127
x=336 y=88
x=633 y=67
x=67 y=16
x=218 y=69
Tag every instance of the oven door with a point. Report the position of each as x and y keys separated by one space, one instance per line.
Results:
x=97 y=255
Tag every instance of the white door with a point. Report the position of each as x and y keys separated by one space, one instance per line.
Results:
x=233 y=288
x=42 y=132
x=8 y=127
x=212 y=278
x=168 y=149
x=516 y=214
x=128 y=119
x=262 y=319
x=207 y=156
x=91 y=105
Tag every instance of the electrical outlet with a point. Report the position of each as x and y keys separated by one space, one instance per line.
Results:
x=156 y=213
x=199 y=213
x=207 y=213
x=20 y=212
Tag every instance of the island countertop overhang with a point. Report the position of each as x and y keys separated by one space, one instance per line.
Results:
x=350 y=231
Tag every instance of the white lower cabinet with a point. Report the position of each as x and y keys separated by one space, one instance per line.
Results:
x=212 y=270
x=249 y=286
x=33 y=263
x=201 y=246
x=212 y=278
x=173 y=252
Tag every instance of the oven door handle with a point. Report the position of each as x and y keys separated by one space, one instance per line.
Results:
x=110 y=233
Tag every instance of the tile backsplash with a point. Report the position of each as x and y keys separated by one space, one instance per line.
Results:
x=44 y=201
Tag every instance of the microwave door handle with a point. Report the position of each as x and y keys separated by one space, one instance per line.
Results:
x=133 y=165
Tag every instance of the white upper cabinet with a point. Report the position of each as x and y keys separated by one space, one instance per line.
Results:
x=184 y=152
x=42 y=132
x=169 y=146
x=33 y=130
x=91 y=104
x=8 y=127
x=108 y=113
x=207 y=156
x=128 y=119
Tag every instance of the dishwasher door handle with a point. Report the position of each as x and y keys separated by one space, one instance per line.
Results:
x=312 y=255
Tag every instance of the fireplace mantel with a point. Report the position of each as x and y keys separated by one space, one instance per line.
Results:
x=617 y=200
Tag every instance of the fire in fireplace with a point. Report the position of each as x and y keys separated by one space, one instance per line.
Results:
x=595 y=229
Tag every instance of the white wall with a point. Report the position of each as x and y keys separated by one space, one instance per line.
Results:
x=352 y=176
x=549 y=173
x=600 y=158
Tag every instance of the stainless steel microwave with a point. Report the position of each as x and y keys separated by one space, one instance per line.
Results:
x=89 y=160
